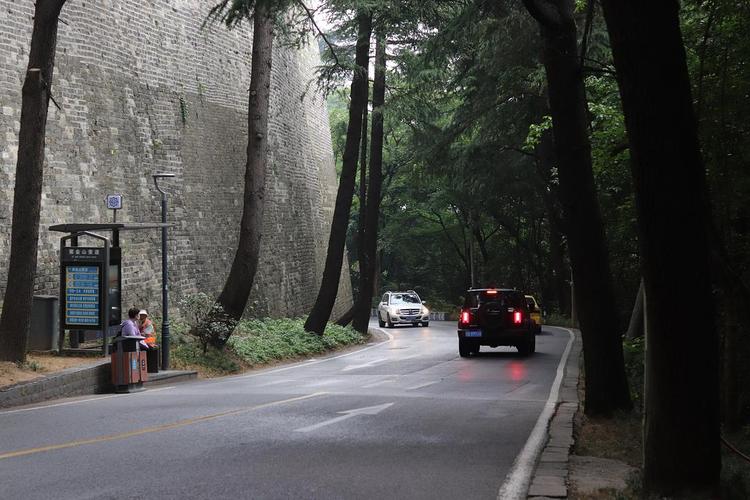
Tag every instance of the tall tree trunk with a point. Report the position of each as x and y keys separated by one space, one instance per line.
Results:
x=234 y=295
x=361 y=253
x=364 y=302
x=16 y=315
x=606 y=382
x=329 y=286
x=681 y=424
x=348 y=316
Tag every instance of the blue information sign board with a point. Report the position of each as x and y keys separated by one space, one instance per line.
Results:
x=82 y=295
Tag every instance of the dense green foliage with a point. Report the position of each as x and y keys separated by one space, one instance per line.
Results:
x=256 y=342
x=260 y=341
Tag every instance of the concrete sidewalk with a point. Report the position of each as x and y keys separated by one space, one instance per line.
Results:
x=550 y=477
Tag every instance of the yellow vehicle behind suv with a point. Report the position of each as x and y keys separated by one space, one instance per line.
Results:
x=535 y=312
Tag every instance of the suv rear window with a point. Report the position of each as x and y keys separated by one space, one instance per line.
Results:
x=507 y=299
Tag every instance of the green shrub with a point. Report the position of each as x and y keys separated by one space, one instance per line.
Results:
x=260 y=341
x=191 y=355
x=206 y=319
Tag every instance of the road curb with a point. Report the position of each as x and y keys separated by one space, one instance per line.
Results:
x=550 y=476
x=77 y=381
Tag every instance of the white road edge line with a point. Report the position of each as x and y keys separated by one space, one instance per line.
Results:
x=516 y=484
x=78 y=401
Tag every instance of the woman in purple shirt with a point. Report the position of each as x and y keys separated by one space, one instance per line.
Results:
x=130 y=327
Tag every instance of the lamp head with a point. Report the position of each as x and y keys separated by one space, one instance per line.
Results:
x=161 y=175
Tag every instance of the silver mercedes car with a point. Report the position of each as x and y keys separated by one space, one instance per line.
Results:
x=402 y=308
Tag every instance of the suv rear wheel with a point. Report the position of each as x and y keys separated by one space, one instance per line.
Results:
x=463 y=348
x=467 y=347
x=528 y=348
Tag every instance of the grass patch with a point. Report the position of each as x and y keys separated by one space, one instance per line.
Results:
x=257 y=342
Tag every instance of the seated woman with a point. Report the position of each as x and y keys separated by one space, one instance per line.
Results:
x=147 y=327
x=130 y=327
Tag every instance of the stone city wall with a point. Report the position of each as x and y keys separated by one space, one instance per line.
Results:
x=143 y=88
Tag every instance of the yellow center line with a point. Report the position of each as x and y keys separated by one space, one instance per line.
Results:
x=147 y=430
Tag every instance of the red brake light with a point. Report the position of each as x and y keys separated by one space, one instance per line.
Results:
x=491 y=292
x=465 y=317
x=517 y=316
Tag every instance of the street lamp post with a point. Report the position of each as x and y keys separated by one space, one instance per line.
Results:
x=164 y=273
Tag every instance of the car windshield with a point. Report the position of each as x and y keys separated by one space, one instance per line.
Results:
x=404 y=298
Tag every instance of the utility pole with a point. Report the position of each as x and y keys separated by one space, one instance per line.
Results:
x=164 y=273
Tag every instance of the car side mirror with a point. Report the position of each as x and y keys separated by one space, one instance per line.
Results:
x=424 y=302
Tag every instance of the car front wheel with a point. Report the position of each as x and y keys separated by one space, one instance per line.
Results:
x=381 y=323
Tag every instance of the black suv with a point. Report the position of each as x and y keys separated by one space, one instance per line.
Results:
x=495 y=317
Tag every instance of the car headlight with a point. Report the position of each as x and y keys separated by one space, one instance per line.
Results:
x=425 y=311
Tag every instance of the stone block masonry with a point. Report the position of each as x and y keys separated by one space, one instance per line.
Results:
x=144 y=87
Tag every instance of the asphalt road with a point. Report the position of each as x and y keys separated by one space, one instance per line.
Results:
x=404 y=418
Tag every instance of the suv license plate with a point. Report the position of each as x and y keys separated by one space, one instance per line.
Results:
x=473 y=333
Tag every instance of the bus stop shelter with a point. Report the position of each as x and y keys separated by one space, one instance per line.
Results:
x=91 y=282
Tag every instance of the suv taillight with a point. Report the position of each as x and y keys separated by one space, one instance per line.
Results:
x=517 y=317
x=465 y=318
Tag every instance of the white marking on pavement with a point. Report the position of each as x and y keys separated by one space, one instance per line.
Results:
x=420 y=386
x=380 y=382
x=274 y=382
x=369 y=410
x=516 y=483
x=364 y=365
x=87 y=400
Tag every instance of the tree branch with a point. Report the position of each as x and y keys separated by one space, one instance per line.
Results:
x=311 y=16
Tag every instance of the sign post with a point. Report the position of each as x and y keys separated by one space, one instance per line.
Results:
x=114 y=203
